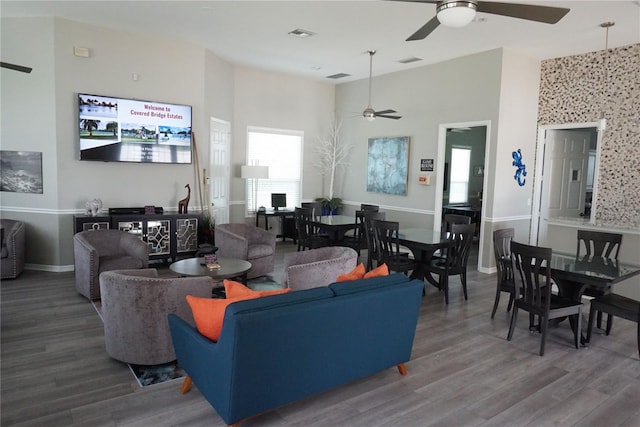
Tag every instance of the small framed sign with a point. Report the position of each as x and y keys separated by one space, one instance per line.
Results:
x=426 y=165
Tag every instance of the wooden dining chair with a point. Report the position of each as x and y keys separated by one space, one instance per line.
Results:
x=615 y=305
x=454 y=260
x=599 y=244
x=450 y=219
x=369 y=236
x=505 y=280
x=368 y=207
x=308 y=238
x=356 y=238
x=533 y=263
x=387 y=243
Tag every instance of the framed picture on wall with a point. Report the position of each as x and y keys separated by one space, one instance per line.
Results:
x=21 y=171
x=388 y=165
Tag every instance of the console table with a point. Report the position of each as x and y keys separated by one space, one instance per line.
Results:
x=288 y=226
x=166 y=235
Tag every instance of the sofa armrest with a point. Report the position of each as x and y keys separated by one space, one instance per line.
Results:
x=133 y=246
x=14 y=239
x=230 y=244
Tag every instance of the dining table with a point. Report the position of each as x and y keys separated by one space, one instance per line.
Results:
x=572 y=274
x=335 y=226
x=423 y=243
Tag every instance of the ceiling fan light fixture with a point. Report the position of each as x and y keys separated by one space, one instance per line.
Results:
x=456 y=14
x=369 y=114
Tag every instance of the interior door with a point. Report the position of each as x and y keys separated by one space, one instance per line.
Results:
x=564 y=176
x=219 y=142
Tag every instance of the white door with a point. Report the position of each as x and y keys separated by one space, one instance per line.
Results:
x=564 y=176
x=220 y=158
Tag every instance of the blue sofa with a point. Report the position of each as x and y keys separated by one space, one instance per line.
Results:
x=278 y=349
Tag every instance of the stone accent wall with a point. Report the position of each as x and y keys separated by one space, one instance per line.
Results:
x=576 y=89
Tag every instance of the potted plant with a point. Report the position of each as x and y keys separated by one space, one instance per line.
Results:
x=331 y=153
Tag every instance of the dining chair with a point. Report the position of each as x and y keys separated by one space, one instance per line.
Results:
x=505 y=280
x=316 y=208
x=369 y=236
x=450 y=219
x=599 y=244
x=615 y=305
x=533 y=264
x=368 y=207
x=454 y=260
x=308 y=238
x=387 y=244
x=356 y=238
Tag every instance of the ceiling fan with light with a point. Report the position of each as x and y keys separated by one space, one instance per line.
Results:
x=458 y=13
x=15 y=67
x=369 y=113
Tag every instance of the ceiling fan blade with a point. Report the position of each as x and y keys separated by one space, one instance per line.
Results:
x=15 y=67
x=385 y=112
x=545 y=14
x=384 y=116
x=425 y=30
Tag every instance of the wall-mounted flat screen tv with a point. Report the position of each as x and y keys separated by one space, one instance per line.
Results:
x=128 y=130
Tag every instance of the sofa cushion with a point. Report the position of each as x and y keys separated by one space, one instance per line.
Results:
x=208 y=313
x=295 y=297
x=346 y=288
x=381 y=270
x=235 y=289
x=355 y=274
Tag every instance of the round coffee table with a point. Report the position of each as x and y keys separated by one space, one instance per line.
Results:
x=229 y=268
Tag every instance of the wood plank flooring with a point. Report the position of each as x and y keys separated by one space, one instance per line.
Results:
x=463 y=371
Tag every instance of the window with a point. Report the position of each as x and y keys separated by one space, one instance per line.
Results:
x=460 y=162
x=281 y=151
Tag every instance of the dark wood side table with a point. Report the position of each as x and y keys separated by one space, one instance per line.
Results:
x=230 y=268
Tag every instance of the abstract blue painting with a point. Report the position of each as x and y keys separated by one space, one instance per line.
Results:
x=388 y=165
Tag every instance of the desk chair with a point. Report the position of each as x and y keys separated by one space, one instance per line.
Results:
x=534 y=266
x=502 y=251
x=599 y=244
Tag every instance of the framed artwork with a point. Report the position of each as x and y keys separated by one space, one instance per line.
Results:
x=21 y=171
x=388 y=165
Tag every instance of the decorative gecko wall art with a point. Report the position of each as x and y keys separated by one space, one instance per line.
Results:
x=521 y=170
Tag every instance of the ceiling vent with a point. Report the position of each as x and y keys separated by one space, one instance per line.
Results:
x=303 y=34
x=409 y=60
x=338 y=76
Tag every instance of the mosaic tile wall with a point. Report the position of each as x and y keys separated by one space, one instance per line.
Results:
x=576 y=89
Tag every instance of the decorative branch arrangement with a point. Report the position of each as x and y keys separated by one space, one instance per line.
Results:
x=331 y=153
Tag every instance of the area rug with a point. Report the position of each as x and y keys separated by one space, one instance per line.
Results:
x=147 y=375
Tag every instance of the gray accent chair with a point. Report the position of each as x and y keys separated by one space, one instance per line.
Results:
x=12 y=256
x=317 y=267
x=96 y=251
x=247 y=242
x=135 y=305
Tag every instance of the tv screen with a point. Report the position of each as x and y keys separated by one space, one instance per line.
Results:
x=278 y=200
x=127 y=130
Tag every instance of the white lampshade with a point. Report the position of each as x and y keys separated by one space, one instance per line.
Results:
x=456 y=14
x=254 y=172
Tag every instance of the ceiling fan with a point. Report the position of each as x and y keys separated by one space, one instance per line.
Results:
x=458 y=13
x=369 y=113
x=15 y=67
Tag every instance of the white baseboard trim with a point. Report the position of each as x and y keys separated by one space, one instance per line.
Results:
x=49 y=268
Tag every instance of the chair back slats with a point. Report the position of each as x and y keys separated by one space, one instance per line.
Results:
x=370 y=208
x=369 y=234
x=450 y=219
x=302 y=217
x=457 y=254
x=534 y=265
x=316 y=209
x=502 y=251
x=387 y=240
x=599 y=244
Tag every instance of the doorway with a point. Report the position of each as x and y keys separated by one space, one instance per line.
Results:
x=566 y=179
x=461 y=178
x=220 y=158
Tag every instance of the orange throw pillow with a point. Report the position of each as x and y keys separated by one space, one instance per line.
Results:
x=381 y=270
x=354 y=274
x=236 y=289
x=208 y=313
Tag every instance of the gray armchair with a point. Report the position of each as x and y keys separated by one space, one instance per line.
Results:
x=96 y=251
x=12 y=256
x=247 y=242
x=135 y=305
x=317 y=267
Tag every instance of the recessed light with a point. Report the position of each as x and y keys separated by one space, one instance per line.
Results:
x=301 y=33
